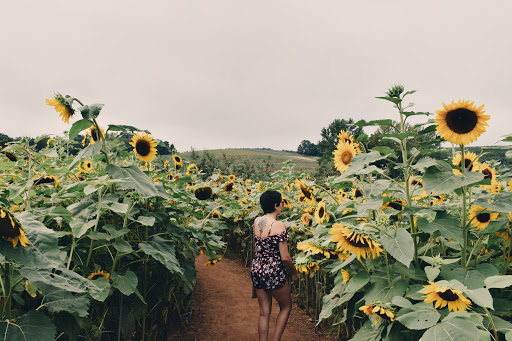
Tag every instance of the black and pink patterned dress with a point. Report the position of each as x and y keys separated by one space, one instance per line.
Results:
x=267 y=268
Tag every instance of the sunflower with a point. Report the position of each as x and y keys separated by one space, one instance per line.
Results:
x=248 y=190
x=320 y=213
x=495 y=187
x=10 y=156
x=169 y=176
x=305 y=219
x=144 y=146
x=395 y=204
x=203 y=193
x=98 y=274
x=357 y=243
x=11 y=229
x=344 y=137
x=217 y=178
x=471 y=163
x=215 y=214
x=287 y=203
x=341 y=195
x=191 y=169
x=509 y=183
x=85 y=166
x=379 y=311
x=444 y=296
x=231 y=177
x=314 y=248
x=481 y=217
x=48 y=179
x=248 y=182
x=343 y=156
x=50 y=143
x=178 y=162
x=488 y=172
x=307 y=192
x=228 y=186
x=212 y=262
x=96 y=135
x=437 y=199
x=357 y=195
x=461 y=122
x=313 y=267
x=63 y=106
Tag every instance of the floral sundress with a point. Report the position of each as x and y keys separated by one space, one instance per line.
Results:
x=267 y=269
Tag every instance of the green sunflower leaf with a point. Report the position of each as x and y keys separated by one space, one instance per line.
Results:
x=391 y=99
x=79 y=126
x=135 y=179
x=62 y=300
x=90 y=112
x=116 y=127
x=357 y=282
x=498 y=281
x=126 y=283
x=453 y=329
x=448 y=225
x=33 y=326
x=368 y=332
x=163 y=251
x=363 y=123
x=445 y=181
x=86 y=153
x=61 y=278
x=418 y=316
x=399 y=244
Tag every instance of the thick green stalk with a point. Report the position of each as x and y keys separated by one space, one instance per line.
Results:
x=104 y=141
x=463 y=259
x=98 y=214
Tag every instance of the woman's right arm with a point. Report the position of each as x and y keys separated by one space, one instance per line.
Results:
x=287 y=261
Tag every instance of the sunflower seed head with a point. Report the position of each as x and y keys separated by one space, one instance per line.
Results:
x=395 y=91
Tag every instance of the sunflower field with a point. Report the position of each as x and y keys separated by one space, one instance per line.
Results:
x=102 y=245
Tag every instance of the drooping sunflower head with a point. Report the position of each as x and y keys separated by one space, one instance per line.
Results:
x=354 y=241
x=346 y=275
x=380 y=310
x=445 y=296
x=461 y=122
x=203 y=193
x=144 y=146
x=98 y=274
x=357 y=195
x=11 y=229
x=480 y=217
x=286 y=203
x=178 y=162
x=215 y=214
x=192 y=168
x=488 y=172
x=10 y=156
x=305 y=190
x=228 y=186
x=471 y=163
x=212 y=262
x=62 y=105
x=48 y=179
x=343 y=156
x=96 y=135
x=395 y=204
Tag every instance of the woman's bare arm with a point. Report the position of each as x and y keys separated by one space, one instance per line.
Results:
x=287 y=260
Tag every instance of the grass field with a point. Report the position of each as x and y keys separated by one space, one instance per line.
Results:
x=274 y=158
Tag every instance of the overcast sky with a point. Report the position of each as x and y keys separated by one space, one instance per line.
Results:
x=234 y=73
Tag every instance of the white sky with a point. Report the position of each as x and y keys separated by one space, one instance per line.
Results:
x=235 y=73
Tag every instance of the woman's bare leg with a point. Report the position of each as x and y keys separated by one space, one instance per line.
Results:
x=284 y=298
x=265 y=301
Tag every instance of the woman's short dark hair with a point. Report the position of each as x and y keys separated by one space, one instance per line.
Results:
x=269 y=200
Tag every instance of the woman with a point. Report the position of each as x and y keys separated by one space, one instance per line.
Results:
x=271 y=264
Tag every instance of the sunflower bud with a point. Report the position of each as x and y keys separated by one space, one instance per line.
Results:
x=395 y=91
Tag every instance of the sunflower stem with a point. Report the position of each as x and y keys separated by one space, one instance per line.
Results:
x=27 y=191
x=98 y=213
x=492 y=323
x=463 y=259
x=104 y=141
x=73 y=242
x=6 y=313
x=387 y=268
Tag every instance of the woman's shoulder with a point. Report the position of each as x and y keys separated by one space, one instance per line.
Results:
x=278 y=227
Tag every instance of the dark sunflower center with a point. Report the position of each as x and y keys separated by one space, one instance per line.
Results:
x=96 y=276
x=10 y=156
x=467 y=162
x=88 y=165
x=483 y=217
x=177 y=159
x=461 y=120
x=321 y=212
x=142 y=147
x=448 y=295
x=487 y=173
x=8 y=228
x=95 y=134
x=249 y=190
x=229 y=187
x=44 y=180
x=358 y=193
x=306 y=192
x=359 y=244
x=416 y=182
x=395 y=205
x=383 y=316
x=346 y=157
x=203 y=193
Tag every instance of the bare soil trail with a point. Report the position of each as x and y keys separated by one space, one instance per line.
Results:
x=223 y=308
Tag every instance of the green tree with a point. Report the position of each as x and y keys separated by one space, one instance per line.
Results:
x=308 y=148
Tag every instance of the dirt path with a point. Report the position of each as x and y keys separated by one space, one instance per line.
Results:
x=224 y=310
